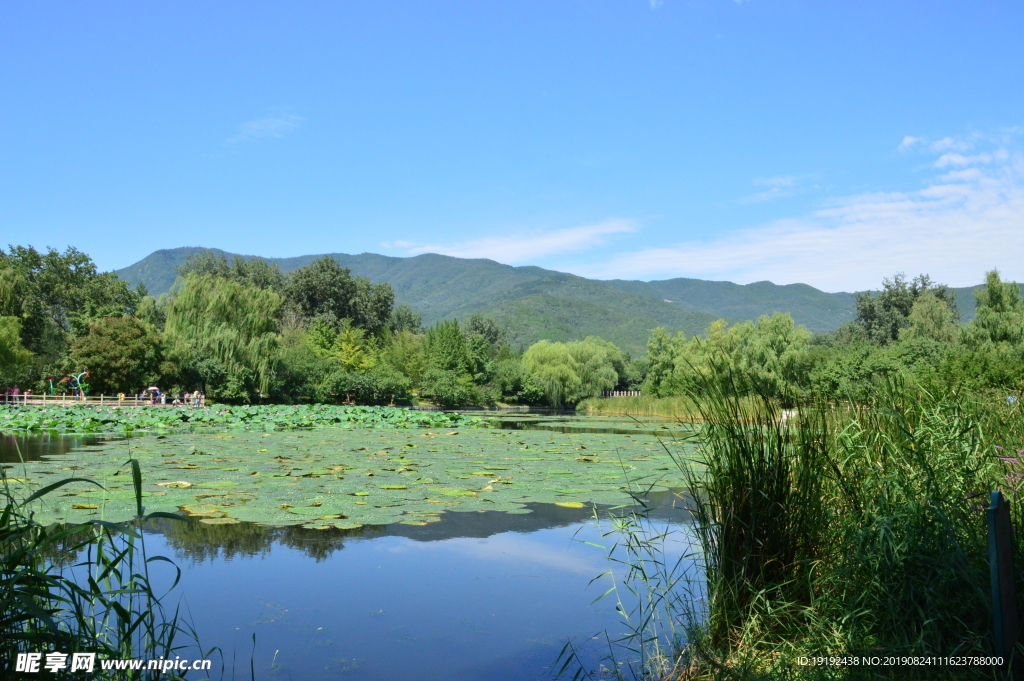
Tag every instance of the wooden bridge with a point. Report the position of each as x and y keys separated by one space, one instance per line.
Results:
x=91 y=400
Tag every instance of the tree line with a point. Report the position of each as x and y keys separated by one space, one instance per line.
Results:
x=910 y=327
x=243 y=331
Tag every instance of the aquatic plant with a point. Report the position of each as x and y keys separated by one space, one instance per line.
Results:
x=96 y=419
x=846 y=529
x=657 y=591
x=83 y=588
x=345 y=478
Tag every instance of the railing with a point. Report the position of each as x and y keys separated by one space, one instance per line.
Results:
x=100 y=400
x=621 y=393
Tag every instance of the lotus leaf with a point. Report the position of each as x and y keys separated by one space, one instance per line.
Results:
x=296 y=470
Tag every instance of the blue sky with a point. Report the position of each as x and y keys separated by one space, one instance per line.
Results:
x=826 y=143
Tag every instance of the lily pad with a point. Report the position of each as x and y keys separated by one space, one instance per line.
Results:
x=479 y=470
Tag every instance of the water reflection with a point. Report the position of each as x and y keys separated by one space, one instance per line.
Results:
x=198 y=542
x=666 y=429
x=37 y=446
x=476 y=596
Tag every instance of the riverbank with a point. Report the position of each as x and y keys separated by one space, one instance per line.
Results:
x=678 y=407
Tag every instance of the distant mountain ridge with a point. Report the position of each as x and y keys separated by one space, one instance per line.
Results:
x=536 y=303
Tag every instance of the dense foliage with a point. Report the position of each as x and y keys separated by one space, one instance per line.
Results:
x=242 y=331
x=122 y=353
x=908 y=328
x=856 y=529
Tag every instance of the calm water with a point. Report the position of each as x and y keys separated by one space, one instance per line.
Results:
x=479 y=595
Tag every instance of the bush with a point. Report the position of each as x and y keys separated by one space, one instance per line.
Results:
x=449 y=388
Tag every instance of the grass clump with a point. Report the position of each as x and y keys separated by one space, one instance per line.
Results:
x=82 y=589
x=679 y=407
x=846 y=529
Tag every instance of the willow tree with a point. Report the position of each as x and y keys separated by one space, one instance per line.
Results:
x=554 y=369
x=223 y=335
x=14 y=358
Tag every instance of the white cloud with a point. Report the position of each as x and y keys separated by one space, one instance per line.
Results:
x=909 y=142
x=269 y=126
x=518 y=550
x=951 y=144
x=655 y=4
x=526 y=247
x=960 y=160
x=960 y=225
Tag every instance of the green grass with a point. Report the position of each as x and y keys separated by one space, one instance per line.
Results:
x=82 y=589
x=847 y=530
x=679 y=407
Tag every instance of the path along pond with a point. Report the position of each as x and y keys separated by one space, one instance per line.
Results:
x=379 y=554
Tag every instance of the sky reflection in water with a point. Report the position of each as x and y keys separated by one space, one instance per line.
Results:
x=471 y=597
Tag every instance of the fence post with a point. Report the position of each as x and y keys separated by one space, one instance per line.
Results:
x=1004 y=589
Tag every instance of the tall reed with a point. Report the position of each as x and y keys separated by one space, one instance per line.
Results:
x=103 y=602
x=677 y=407
x=842 y=529
x=651 y=588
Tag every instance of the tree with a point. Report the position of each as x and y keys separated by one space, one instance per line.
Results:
x=553 y=367
x=514 y=383
x=377 y=385
x=223 y=335
x=931 y=318
x=1000 y=313
x=372 y=305
x=57 y=295
x=662 y=352
x=404 y=352
x=490 y=330
x=771 y=351
x=885 y=314
x=449 y=388
x=349 y=346
x=326 y=290
x=404 y=318
x=13 y=355
x=254 y=272
x=444 y=348
x=123 y=354
x=598 y=365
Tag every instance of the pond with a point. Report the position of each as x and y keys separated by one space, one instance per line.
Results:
x=409 y=567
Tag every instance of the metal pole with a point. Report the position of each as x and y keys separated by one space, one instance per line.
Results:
x=1006 y=624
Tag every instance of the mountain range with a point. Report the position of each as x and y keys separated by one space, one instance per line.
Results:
x=535 y=303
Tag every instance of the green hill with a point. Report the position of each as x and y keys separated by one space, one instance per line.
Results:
x=532 y=302
x=817 y=310
x=536 y=303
